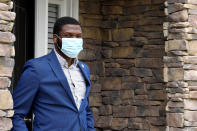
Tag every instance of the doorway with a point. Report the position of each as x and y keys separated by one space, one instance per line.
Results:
x=24 y=45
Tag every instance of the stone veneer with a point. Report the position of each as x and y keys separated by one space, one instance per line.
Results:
x=137 y=83
x=124 y=49
x=6 y=63
x=180 y=64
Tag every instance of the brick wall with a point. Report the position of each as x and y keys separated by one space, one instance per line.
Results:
x=6 y=63
x=124 y=47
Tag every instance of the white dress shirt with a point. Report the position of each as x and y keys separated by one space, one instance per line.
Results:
x=75 y=79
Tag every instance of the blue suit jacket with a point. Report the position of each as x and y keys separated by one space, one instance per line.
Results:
x=44 y=88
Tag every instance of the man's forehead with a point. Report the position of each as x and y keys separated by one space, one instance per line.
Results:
x=69 y=27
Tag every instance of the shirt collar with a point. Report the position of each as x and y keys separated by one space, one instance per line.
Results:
x=63 y=62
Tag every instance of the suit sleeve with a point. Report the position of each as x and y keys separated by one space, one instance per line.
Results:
x=23 y=96
x=90 y=120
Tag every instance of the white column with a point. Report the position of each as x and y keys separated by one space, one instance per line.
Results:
x=41 y=28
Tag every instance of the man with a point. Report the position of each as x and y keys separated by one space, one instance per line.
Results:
x=56 y=86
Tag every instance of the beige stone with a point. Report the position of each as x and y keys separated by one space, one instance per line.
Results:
x=190 y=36
x=168 y=59
x=2 y=113
x=192 y=47
x=179 y=36
x=12 y=51
x=5 y=50
x=177 y=45
x=190 y=59
x=10 y=5
x=175 y=74
x=190 y=104
x=192 y=88
x=5 y=0
x=189 y=123
x=179 y=16
x=190 y=115
x=4 y=6
x=175 y=129
x=6 y=66
x=175 y=7
x=179 y=53
x=190 y=6
x=192 y=12
x=175 y=119
x=6 y=15
x=193 y=94
x=3 y=22
x=10 y=113
x=6 y=101
x=193 y=20
x=175 y=104
x=192 y=1
x=8 y=27
x=5 y=124
x=123 y=34
x=6 y=71
x=4 y=82
x=7 y=37
x=179 y=24
x=190 y=75
x=177 y=84
x=190 y=66
x=177 y=1
x=193 y=129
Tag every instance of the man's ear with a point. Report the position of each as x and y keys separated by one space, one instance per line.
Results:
x=55 y=38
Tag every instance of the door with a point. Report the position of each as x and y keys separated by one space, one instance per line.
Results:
x=24 y=45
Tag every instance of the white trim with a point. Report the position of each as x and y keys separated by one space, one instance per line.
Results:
x=66 y=8
x=41 y=28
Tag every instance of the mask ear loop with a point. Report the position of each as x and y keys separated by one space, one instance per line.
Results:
x=57 y=43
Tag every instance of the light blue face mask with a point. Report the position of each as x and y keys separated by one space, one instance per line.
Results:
x=71 y=47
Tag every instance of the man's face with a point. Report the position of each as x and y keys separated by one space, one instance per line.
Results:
x=68 y=31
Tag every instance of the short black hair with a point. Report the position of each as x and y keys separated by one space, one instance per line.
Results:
x=63 y=21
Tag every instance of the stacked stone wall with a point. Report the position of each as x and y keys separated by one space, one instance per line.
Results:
x=6 y=63
x=180 y=64
x=124 y=48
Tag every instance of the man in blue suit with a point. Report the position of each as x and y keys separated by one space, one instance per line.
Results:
x=56 y=86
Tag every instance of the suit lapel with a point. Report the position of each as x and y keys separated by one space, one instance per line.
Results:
x=88 y=83
x=84 y=72
x=56 y=67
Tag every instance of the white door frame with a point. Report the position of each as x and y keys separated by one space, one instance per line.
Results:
x=66 y=8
